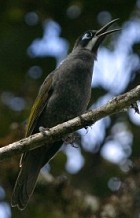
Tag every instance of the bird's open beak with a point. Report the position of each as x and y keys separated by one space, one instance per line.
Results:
x=102 y=33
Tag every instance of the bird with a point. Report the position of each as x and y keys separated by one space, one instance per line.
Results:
x=64 y=94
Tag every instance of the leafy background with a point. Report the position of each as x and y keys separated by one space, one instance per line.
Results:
x=35 y=36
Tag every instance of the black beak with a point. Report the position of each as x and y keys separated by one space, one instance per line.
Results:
x=102 y=33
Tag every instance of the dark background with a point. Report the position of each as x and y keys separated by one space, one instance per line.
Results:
x=22 y=70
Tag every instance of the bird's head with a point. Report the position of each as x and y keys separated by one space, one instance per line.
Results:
x=92 y=39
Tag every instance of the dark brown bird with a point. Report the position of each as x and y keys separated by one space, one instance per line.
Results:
x=64 y=94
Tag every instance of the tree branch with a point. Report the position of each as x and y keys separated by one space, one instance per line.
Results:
x=117 y=104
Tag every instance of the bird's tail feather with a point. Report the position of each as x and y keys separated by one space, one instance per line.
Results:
x=31 y=164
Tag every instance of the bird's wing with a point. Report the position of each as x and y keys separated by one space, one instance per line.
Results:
x=39 y=104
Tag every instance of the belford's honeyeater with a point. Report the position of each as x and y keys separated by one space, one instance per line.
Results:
x=64 y=94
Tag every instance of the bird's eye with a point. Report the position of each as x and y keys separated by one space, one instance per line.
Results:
x=87 y=35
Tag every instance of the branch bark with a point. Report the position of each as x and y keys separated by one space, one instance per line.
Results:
x=116 y=105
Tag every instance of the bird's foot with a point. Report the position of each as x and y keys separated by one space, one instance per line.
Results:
x=70 y=139
x=135 y=107
x=42 y=129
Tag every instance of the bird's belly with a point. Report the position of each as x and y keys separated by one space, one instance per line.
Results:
x=64 y=107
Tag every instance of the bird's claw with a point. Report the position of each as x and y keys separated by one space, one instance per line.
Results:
x=42 y=129
x=70 y=139
x=135 y=107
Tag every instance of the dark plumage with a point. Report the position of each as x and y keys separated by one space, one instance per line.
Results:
x=64 y=94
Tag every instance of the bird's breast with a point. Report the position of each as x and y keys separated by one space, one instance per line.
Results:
x=70 y=95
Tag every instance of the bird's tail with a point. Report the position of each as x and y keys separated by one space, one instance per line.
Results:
x=32 y=162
